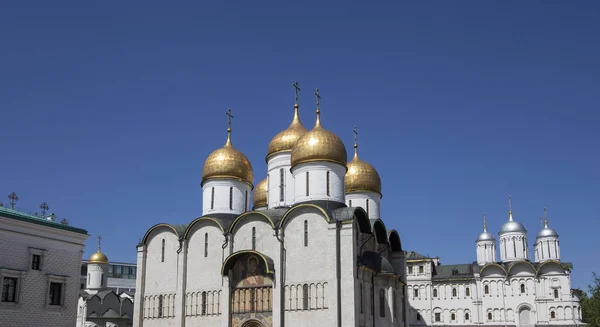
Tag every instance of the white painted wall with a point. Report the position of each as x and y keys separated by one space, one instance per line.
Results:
x=513 y=247
x=359 y=199
x=317 y=181
x=546 y=248
x=98 y=277
x=486 y=252
x=223 y=188
x=277 y=164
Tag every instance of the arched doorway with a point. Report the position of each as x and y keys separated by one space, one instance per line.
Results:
x=525 y=316
x=251 y=285
x=252 y=323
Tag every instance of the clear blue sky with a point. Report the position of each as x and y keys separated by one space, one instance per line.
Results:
x=110 y=109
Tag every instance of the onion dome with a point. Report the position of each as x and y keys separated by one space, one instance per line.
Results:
x=228 y=163
x=319 y=145
x=361 y=176
x=511 y=226
x=260 y=194
x=485 y=235
x=547 y=231
x=98 y=257
x=285 y=140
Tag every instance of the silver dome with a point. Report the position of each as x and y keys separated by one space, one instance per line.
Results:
x=512 y=226
x=547 y=232
x=486 y=236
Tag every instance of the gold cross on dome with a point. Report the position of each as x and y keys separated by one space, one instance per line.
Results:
x=229 y=116
x=297 y=89
x=99 y=240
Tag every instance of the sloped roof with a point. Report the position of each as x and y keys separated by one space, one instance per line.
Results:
x=456 y=272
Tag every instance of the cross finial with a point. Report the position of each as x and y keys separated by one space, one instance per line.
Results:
x=99 y=240
x=13 y=199
x=355 y=141
x=318 y=106
x=229 y=116
x=509 y=204
x=484 y=223
x=297 y=89
x=545 y=217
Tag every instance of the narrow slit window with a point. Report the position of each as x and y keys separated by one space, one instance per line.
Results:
x=435 y=294
x=246 y=202
x=454 y=293
x=281 y=185
x=368 y=209
x=489 y=316
x=307 y=182
x=556 y=294
x=306 y=233
x=362 y=304
x=350 y=203
x=453 y=317
x=162 y=255
x=467 y=291
x=328 y=183
x=486 y=289
x=522 y=288
x=101 y=279
x=231 y=198
x=203 y=304
x=253 y=238
x=160 y=306
x=394 y=302
x=381 y=303
x=205 y=245
x=212 y=198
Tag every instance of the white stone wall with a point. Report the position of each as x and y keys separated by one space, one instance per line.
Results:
x=223 y=188
x=513 y=246
x=277 y=164
x=97 y=276
x=486 y=252
x=317 y=181
x=61 y=257
x=360 y=199
x=546 y=248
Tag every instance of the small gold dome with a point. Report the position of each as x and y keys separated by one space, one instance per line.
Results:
x=98 y=257
x=228 y=162
x=319 y=145
x=285 y=140
x=361 y=176
x=260 y=194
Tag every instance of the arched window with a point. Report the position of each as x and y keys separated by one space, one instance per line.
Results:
x=435 y=292
x=246 y=202
x=212 y=198
x=101 y=279
x=416 y=292
x=467 y=292
x=418 y=316
x=454 y=293
x=281 y=185
x=522 y=288
x=306 y=233
x=556 y=294
x=162 y=254
x=160 y=306
x=552 y=315
x=362 y=301
x=486 y=289
x=453 y=317
x=328 y=183
x=305 y=299
x=253 y=238
x=367 y=208
x=467 y=316
x=381 y=303
x=489 y=316
x=307 y=180
x=350 y=203
x=205 y=245
x=203 y=303
x=231 y=198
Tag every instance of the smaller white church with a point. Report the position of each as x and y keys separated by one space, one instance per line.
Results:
x=98 y=306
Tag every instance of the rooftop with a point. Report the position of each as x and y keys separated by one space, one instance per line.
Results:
x=44 y=221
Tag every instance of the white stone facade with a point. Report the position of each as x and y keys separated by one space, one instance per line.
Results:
x=39 y=270
x=513 y=292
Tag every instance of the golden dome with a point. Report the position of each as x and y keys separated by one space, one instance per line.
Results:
x=319 y=145
x=260 y=194
x=285 y=140
x=228 y=162
x=361 y=176
x=98 y=257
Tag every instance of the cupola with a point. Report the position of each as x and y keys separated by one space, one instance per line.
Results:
x=546 y=245
x=260 y=196
x=513 y=239
x=486 y=245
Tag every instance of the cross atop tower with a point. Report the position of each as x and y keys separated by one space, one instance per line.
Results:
x=509 y=204
x=484 y=223
x=318 y=106
x=545 y=216
x=13 y=199
x=229 y=116
x=297 y=89
x=355 y=141
x=99 y=240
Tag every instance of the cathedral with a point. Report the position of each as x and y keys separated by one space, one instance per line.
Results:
x=512 y=291
x=312 y=251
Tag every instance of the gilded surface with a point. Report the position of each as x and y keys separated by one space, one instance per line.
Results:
x=361 y=176
x=98 y=257
x=227 y=162
x=260 y=194
x=285 y=140
x=319 y=145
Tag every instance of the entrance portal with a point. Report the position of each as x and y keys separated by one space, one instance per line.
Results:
x=252 y=323
x=524 y=316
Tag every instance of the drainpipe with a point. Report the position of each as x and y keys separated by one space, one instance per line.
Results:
x=282 y=282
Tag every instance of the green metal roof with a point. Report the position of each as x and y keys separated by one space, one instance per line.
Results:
x=18 y=215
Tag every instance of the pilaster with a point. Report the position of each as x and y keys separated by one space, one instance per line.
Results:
x=138 y=303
